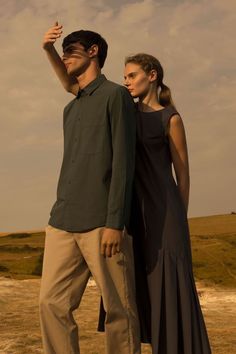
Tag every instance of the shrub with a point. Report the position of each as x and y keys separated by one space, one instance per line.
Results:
x=39 y=265
x=22 y=235
x=3 y=268
x=19 y=249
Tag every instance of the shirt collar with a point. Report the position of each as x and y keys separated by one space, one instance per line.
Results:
x=92 y=86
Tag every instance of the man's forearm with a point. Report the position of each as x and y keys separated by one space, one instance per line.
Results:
x=60 y=68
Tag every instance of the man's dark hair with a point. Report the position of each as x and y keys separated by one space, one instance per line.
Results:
x=87 y=39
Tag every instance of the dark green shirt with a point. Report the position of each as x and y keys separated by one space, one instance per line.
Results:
x=95 y=182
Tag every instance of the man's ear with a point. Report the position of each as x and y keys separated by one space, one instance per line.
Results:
x=93 y=51
x=153 y=75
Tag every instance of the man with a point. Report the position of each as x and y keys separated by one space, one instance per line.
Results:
x=86 y=231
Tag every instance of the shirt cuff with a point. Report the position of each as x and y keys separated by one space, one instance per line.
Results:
x=115 y=221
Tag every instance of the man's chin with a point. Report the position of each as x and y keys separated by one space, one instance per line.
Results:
x=74 y=73
x=70 y=72
x=134 y=95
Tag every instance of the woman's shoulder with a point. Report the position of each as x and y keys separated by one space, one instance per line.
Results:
x=170 y=110
x=168 y=114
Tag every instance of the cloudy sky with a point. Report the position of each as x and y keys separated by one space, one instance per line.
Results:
x=194 y=40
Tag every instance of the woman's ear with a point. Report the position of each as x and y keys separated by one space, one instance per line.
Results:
x=153 y=75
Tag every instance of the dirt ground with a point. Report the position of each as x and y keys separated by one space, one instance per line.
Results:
x=19 y=322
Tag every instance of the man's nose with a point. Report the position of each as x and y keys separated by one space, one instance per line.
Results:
x=64 y=56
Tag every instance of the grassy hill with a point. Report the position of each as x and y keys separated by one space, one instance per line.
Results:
x=213 y=248
x=21 y=255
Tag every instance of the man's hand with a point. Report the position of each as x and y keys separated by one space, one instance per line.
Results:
x=51 y=36
x=111 y=242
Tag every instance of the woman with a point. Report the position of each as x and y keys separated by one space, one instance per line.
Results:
x=169 y=308
x=159 y=218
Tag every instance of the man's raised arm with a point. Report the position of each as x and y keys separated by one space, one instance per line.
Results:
x=69 y=83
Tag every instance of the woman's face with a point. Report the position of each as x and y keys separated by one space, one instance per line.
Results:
x=137 y=81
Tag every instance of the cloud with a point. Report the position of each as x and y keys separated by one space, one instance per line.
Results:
x=194 y=41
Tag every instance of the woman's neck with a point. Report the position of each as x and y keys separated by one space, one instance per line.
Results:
x=149 y=102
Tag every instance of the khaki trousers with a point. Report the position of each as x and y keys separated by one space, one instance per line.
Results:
x=69 y=260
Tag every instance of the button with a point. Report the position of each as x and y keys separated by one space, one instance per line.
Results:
x=72 y=161
x=69 y=182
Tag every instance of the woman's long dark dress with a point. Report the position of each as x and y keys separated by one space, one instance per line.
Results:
x=161 y=235
x=169 y=310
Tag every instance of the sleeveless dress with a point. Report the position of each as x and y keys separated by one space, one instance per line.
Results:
x=169 y=309
x=168 y=306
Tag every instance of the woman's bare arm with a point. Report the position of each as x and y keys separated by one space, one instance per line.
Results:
x=69 y=83
x=179 y=152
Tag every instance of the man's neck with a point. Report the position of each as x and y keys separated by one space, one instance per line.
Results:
x=88 y=76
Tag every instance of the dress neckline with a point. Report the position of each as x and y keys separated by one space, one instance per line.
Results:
x=152 y=112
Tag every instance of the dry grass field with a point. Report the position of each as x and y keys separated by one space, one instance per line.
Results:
x=213 y=241
x=214 y=258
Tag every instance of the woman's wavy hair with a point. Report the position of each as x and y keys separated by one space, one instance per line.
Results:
x=148 y=63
